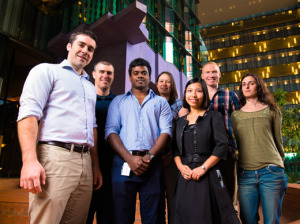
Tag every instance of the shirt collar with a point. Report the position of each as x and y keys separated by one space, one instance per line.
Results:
x=66 y=64
x=220 y=90
x=151 y=93
x=109 y=96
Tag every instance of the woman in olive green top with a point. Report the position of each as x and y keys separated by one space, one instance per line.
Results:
x=257 y=129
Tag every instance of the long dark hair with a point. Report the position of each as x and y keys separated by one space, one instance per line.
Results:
x=173 y=93
x=263 y=93
x=206 y=101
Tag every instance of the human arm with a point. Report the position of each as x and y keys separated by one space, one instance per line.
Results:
x=199 y=171
x=112 y=131
x=97 y=175
x=164 y=121
x=35 y=94
x=185 y=171
x=234 y=102
x=277 y=125
x=161 y=142
x=32 y=172
x=234 y=127
x=220 y=145
x=220 y=148
x=136 y=163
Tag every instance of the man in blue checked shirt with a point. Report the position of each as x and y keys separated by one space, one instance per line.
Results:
x=226 y=102
x=138 y=127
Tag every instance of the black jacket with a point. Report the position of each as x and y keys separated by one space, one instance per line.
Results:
x=209 y=136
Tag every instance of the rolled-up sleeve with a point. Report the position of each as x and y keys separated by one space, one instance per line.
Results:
x=165 y=119
x=35 y=92
x=113 y=120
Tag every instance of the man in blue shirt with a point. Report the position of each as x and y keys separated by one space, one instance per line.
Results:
x=138 y=127
x=57 y=134
x=102 y=202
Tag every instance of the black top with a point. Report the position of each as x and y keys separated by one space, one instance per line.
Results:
x=188 y=145
x=209 y=135
x=105 y=152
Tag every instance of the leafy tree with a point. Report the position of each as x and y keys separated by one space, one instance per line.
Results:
x=290 y=121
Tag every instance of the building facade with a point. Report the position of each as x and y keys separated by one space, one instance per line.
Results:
x=267 y=44
x=172 y=26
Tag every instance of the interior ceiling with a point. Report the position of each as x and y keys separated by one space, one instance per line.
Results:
x=212 y=11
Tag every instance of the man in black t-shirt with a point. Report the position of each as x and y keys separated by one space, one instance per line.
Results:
x=102 y=202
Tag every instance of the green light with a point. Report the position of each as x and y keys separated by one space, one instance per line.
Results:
x=290 y=155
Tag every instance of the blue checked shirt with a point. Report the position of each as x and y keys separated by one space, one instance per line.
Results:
x=175 y=108
x=226 y=102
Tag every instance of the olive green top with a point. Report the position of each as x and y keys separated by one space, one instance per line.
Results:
x=258 y=136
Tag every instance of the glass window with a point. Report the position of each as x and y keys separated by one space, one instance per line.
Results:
x=189 y=67
x=169 y=49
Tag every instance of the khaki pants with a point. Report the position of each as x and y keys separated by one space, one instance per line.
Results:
x=68 y=190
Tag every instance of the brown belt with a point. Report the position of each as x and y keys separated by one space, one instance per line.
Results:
x=139 y=153
x=68 y=146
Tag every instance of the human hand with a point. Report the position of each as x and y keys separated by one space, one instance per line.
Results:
x=146 y=159
x=97 y=178
x=186 y=172
x=32 y=176
x=197 y=173
x=138 y=165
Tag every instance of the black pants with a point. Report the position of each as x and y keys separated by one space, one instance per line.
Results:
x=228 y=172
x=102 y=203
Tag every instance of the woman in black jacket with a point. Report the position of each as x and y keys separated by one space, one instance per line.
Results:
x=200 y=143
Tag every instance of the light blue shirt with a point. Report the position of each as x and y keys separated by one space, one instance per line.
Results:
x=138 y=126
x=62 y=101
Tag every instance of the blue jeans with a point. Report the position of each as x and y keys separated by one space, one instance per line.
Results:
x=268 y=184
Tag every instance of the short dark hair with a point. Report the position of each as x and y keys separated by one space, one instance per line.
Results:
x=173 y=93
x=103 y=63
x=83 y=32
x=263 y=93
x=206 y=101
x=139 y=62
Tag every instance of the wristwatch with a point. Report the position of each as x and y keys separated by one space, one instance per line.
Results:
x=204 y=168
x=150 y=155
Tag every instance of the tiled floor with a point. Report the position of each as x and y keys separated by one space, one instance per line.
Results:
x=14 y=205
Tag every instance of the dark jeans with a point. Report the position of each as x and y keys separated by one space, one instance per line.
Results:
x=125 y=189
